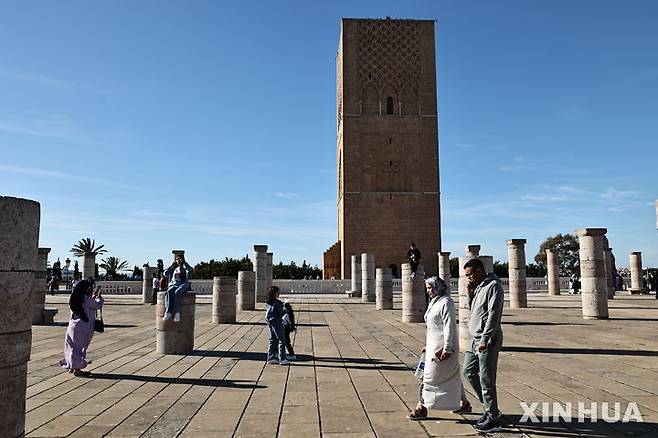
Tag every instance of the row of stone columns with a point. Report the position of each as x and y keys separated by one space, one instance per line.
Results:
x=376 y=285
x=370 y=283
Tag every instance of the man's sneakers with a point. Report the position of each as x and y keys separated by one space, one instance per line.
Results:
x=273 y=361
x=489 y=423
x=167 y=317
x=284 y=362
x=177 y=317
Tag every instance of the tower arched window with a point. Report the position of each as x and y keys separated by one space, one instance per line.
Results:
x=389 y=105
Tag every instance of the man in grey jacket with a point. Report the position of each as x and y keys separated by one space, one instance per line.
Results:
x=486 y=298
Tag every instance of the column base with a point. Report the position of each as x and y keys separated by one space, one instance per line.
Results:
x=353 y=293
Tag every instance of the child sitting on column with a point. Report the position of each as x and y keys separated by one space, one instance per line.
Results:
x=274 y=311
x=289 y=327
x=178 y=276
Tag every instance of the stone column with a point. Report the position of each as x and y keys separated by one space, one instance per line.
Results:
x=40 y=286
x=223 y=300
x=19 y=241
x=444 y=267
x=594 y=293
x=368 y=278
x=270 y=270
x=356 y=276
x=246 y=294
x=88 y=266
x=384 y=288
x=147 y=284
x=471 y=252
x=260 y=269
x=553 y=267
x=610 y=270
x=413 y=294
x=487 y=261
x=518 y=291
x=175 y=337
x=636 y=273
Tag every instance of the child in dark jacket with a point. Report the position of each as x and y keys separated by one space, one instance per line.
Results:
x=274 y=311
x=289 y=327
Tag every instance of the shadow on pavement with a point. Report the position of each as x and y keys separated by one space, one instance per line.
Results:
x=597 y=351
x=264 y=323
x=244 y=384
x=588 y=428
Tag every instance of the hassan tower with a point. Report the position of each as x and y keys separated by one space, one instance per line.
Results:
x=387 y=144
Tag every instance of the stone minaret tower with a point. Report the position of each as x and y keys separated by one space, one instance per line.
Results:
x=387 y=144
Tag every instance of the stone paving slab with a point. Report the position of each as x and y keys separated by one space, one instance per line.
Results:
x=353 y=377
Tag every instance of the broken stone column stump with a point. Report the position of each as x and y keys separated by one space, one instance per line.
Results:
x=384 y=288
x=413 y=294
x=368 y=293
x=223 y=300
x=246 y=293
x=19 y=241
x=175 y=337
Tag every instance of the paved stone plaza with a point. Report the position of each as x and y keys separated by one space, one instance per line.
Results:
x=353 y=376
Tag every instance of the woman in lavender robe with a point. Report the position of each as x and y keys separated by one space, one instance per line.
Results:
x=84 y=303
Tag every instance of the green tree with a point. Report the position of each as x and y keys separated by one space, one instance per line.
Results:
x=138 y=273
x=535 y=270
x=228 y=267
x=87 y=246
x=292 y=271
x=501 y=269
x=566 y=246
x=113 y=266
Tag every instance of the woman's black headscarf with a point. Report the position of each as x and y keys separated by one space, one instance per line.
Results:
x=84 y=287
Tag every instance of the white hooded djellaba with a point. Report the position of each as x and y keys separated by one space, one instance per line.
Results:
x=442 y=385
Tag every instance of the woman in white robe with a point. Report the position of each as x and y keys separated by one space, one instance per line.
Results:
x=441 y=387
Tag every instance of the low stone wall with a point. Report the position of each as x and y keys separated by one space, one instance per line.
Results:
x=204 y=287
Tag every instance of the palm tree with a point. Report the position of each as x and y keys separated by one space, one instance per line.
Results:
x=87 y=247
x=112 y=266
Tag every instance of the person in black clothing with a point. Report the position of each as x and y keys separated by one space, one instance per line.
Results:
x=160 y=266
x=289 y=327
x=414 y=259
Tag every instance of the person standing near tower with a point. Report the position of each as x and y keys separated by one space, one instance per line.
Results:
x=414 y=259
x=486 y=298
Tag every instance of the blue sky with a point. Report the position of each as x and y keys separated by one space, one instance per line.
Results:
x=210 y=125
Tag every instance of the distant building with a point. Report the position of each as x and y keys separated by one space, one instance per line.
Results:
x=387 y=144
